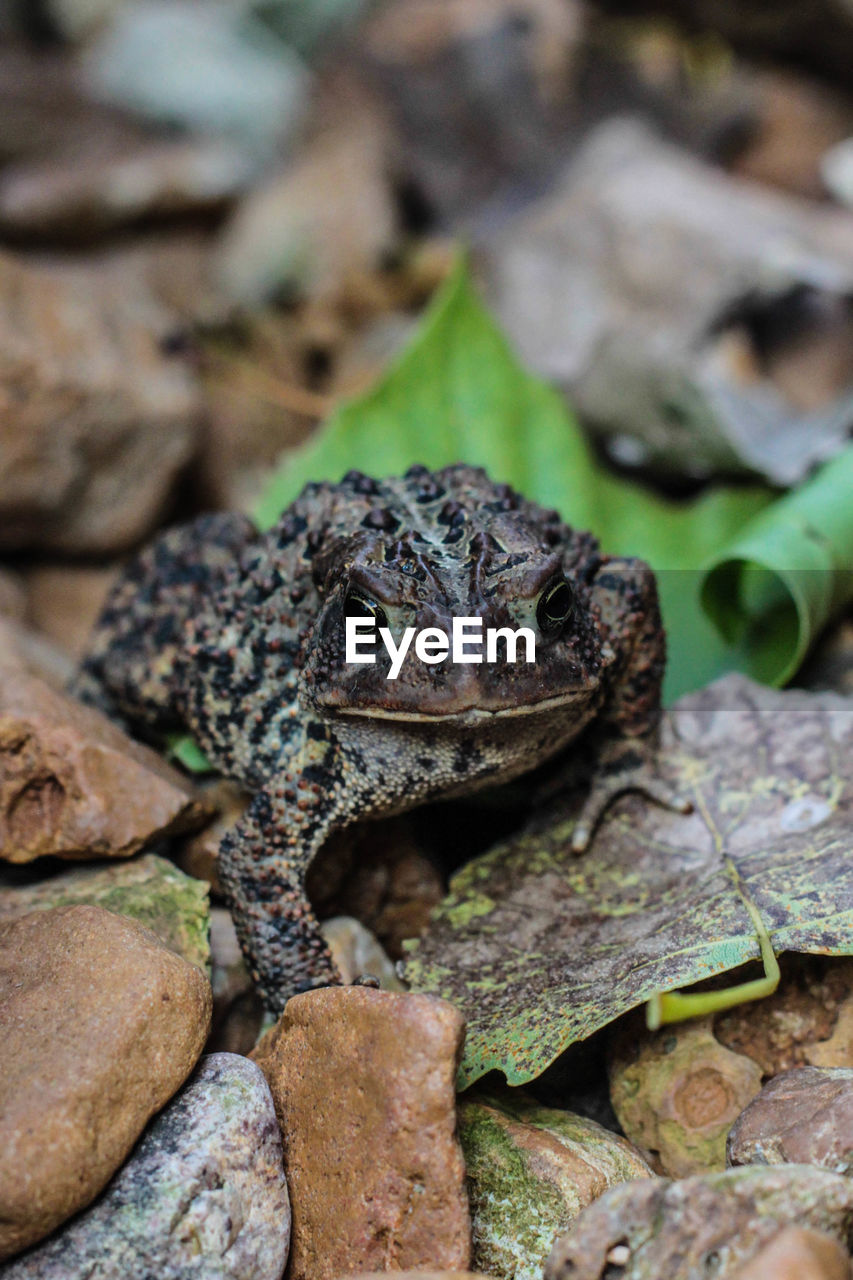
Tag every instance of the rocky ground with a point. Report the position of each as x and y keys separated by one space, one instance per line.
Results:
x=200 y=258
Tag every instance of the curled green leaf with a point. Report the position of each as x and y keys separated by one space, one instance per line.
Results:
x=773 y=587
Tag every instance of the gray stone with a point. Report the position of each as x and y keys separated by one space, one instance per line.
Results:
x=238 y=1010
x=205 y=67
x=202 y=1196
x=357 y=953
x=710 y=1225
x=837 y=170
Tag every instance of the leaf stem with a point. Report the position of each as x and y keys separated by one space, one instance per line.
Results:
x=676 y=1006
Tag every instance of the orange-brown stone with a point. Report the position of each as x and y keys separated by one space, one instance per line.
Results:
x=364 y=1087
x=73 y=785
x=100 y=1025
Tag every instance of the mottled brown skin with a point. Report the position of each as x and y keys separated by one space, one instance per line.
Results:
x=239 y=638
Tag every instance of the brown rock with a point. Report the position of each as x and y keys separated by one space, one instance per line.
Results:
x=198 y=854
x=797 y=1254
x=73 y=785
x=381 y=875
x=64 y=602
x=804 y=1116
x=677 y=1092
x=364 y=1088
x=100 y=1025
x=97 y=420
x=416 y=1275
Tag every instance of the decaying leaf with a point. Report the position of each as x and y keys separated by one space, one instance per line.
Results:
x=540 y=948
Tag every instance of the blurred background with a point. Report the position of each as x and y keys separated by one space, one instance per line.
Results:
x=221 y=218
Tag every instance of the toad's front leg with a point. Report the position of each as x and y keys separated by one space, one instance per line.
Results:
x=263 y=861
x=626 y=734
x=262 y=866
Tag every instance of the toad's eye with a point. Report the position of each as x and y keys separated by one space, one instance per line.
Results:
x=358 y=606
x=555 y=606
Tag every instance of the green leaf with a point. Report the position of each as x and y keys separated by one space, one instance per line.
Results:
x=182 y=748
x=661 y=900
x=458 y=393
x=787 y=572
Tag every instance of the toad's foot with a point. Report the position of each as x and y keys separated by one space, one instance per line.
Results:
x=625 y=764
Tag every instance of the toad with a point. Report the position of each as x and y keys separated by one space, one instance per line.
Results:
x=238 y=637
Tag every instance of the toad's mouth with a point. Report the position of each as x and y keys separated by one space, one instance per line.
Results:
x=464 y=713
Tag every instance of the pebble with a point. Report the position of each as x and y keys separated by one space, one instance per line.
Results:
x=708 y=1225
x=364 y=1088
x=100 y=1025
x=531 y=1171
x=202 y=1195
x=72 y=785
x=804 y=1116
x=356 y=953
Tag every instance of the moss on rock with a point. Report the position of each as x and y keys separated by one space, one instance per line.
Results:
x=149 y=889
x=531 y=1170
